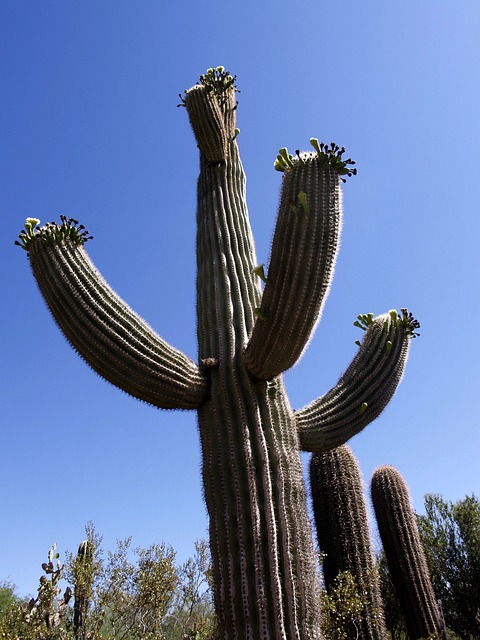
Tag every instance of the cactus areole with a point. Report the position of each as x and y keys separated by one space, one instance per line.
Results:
x=252 y=326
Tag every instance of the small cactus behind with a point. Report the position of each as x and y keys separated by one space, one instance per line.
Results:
x=405 y=555
x=42 y=617
x=83 y=576
x=343 y=533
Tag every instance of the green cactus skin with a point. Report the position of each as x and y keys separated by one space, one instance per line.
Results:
x=405 y=555
x=264 y=572
x=304 y=249
x=343 y=532
x=114 y=341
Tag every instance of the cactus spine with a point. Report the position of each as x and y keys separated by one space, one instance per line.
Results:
x=405 y=555
x=343 y=533
x=262 y=552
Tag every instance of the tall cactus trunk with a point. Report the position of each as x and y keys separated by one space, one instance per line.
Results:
x=263 y=562
x=262 y=552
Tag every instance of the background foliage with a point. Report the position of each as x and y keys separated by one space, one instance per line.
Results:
x=131 y=594
x=139 y=592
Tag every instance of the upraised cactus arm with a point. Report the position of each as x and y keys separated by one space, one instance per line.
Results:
x=365 y=388
x=100 y=326
x=302 y=260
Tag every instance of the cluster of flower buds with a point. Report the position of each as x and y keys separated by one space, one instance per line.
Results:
x=214 y=79
x=363 y=321
x=218 y=80
x=404 y=320
x=52 y=232
x=409 y=323
x=329 y=155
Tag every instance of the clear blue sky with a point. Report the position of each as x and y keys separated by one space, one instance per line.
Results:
x=90 y=129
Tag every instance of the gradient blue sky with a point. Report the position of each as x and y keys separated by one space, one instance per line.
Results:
x=90 y=129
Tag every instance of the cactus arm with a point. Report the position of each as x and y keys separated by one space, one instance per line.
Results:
x=304 y=250
x=100 y=326
x=364 y=389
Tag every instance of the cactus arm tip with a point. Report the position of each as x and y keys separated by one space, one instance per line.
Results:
x=51 y=232
x=211 y=105
x=404 y=320
x=329 y=155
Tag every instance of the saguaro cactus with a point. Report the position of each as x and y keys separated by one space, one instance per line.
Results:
x=405 y=555
x=83 y=578
x=343 y=532
x=261 y=543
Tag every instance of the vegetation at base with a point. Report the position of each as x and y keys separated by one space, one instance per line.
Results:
x=8 y=596
x=136 y=593
x=450 y=533
x=126 y=594
x=343 y=609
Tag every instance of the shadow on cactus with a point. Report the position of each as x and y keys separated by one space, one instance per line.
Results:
x=264 y=573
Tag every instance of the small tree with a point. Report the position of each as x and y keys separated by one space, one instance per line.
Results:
x=8 y=596
x=343 y=609
x=134 y=597
x=192 y=613
x=142 y=593
x=450 y=533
